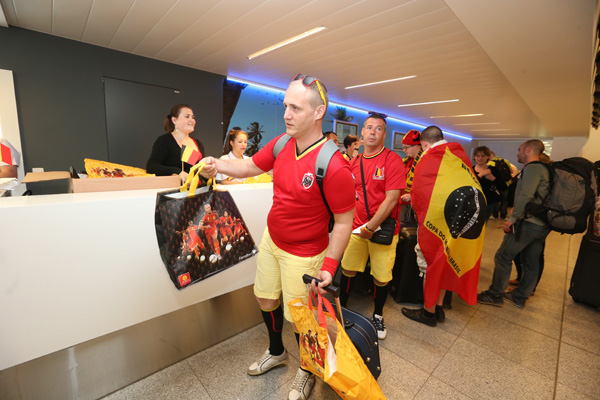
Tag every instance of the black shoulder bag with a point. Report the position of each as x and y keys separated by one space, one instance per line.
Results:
x=385 y=235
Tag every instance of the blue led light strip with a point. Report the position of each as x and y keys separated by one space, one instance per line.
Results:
x=282 y=91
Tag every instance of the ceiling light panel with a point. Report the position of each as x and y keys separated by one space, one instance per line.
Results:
x=428 y=102
x=286 y=42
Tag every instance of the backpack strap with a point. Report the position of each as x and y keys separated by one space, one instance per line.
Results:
x=326 y=152
x=280 y=144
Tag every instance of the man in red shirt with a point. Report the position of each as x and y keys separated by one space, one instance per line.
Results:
x=296 y=240
x=209 y=224
x=379 y=178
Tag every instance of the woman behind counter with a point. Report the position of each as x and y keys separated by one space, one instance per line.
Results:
x=165 y=158
x=235 y=146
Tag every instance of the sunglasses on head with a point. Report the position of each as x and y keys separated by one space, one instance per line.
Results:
x=309 y=80
x=377 y=115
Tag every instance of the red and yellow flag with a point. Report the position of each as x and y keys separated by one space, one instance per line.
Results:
x=8 y=154
x=450 y=207
x=190 y=153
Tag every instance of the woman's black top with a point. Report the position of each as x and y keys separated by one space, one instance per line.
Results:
x=165 y=158
x=489 y=188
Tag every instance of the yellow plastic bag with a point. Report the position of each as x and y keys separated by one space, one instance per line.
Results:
x=327 y=351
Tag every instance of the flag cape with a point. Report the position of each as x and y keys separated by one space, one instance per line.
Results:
x=8 y=154
x=190 y=153
x=450 y=208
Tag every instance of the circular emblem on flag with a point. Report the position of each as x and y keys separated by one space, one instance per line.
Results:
x=307 y=180
x=465 y=212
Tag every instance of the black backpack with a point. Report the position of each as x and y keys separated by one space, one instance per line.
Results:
x=501 y=170
x=570 y=202
x=325 y=153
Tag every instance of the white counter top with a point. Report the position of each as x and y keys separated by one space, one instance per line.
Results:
x=77 y=266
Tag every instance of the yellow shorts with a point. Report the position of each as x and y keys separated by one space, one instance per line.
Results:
x=382 y=257
x=280 y=272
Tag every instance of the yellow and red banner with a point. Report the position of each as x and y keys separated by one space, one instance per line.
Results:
x=8 y=154
x=450 y=208
x=190 y=153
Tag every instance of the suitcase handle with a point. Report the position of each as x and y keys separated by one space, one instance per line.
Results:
x=334 y=290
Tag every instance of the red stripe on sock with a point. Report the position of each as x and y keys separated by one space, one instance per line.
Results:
x=273 y=319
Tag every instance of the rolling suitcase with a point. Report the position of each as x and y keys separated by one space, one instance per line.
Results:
x=360 y=330
x=586 y=275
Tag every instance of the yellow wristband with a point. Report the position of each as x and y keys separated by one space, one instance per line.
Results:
x=368 y=229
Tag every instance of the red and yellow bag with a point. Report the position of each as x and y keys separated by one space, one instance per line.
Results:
x=327 y=351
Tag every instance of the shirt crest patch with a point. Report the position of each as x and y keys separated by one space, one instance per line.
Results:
x=379 y=175
x=307 y=180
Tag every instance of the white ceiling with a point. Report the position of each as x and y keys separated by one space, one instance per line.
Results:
x=527 y=65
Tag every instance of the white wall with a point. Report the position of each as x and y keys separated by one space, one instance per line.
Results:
x=562 y=147
x=506 y=149
x=591 y=149
x=9 y=120
x=565 y=147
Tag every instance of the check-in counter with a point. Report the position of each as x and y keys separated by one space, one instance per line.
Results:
x=83 y=289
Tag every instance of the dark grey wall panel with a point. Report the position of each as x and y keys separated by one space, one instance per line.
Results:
x=133 y=111
x=60 y=96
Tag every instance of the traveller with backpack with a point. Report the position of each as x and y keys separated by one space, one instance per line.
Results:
x=524 y=233
x=505 y=172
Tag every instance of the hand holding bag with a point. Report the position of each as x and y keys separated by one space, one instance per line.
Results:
x=200 y=232
x=385 y=233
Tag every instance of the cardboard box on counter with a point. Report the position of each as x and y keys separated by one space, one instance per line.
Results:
x=105 y=184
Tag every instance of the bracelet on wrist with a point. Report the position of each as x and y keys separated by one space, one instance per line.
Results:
x=369 y=229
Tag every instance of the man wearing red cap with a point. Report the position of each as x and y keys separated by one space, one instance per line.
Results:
x=411 y=145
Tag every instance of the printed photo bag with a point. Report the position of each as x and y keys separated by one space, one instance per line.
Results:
x=200 y=232
x=327 y=351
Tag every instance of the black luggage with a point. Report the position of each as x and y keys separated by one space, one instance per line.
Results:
x=407 y=284
x=360 y=330
x=585 y=281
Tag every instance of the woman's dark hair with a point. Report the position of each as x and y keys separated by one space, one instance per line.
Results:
x=230 y=138
x=175 y=111
x=483 y=149
x=348 y=140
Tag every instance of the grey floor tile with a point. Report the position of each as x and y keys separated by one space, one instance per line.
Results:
x=222 y=368
x=421 y=345
x=581 y=327
x=482 y=374
x=436 y=389
x=532 y=317
x=399 y=379
x=177 y=382
x=458 y=317
x=521 y=345
x=566 y=393
x=579 y=370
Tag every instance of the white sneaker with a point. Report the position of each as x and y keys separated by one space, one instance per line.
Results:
x=380 y=326
x=266 y=362
x=302 y=386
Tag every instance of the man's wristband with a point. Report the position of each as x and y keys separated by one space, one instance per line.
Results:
x=330 y=265
x=368 y=229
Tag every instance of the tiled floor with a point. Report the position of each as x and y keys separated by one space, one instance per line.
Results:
x=548 y=350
